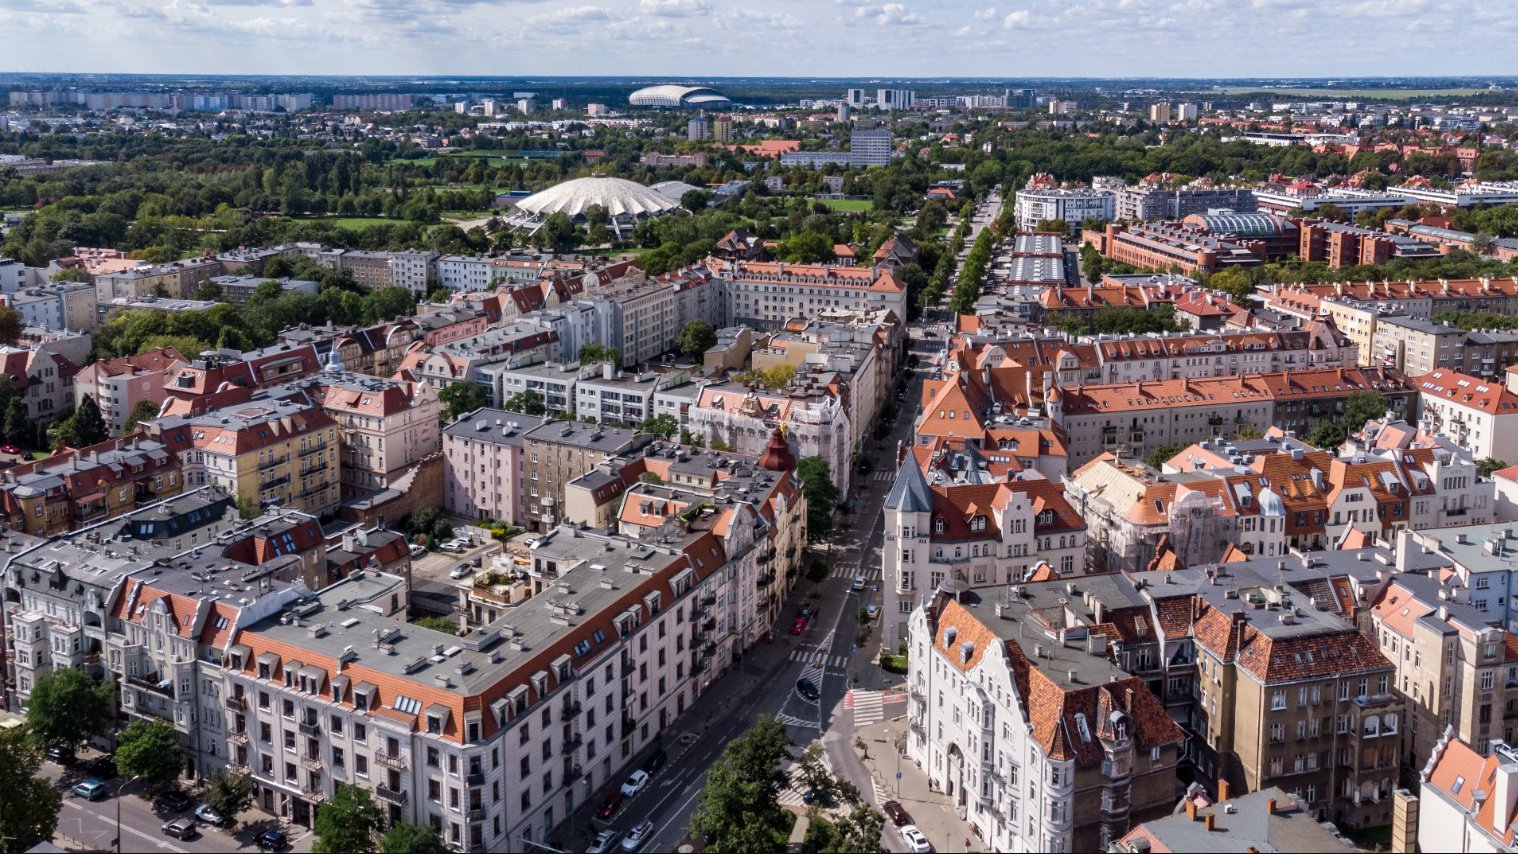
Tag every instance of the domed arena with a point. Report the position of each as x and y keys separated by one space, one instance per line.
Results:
x=674 y=95
x=625 y=202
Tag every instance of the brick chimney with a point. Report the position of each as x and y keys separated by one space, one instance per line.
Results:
x=1190 y=810
x=1222 y=790
x=1270 y=807
x=1209 y=819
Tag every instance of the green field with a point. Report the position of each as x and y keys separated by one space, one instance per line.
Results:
x=1389 y=94
x=849 y=205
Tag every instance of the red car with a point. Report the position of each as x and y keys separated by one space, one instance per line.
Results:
x=9 y=449
x=799 y=626
x=609 y=809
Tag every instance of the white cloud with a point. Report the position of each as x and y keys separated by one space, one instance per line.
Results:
x=674 y=8
x=986 y=14
x=890 y=14
x=1019 y=20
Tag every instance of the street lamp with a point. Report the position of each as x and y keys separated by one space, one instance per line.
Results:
x=119 y=790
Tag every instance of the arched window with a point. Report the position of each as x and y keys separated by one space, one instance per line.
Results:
x=938 y=526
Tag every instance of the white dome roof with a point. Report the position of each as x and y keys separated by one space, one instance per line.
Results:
x=1271 y=504
x=618 y=196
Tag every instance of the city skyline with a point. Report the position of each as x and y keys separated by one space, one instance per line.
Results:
x=1098 y=38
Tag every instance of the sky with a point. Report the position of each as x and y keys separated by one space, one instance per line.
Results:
x=791 y=38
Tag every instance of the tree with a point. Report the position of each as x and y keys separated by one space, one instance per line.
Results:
x=440 y=295
x=806 y=247
x=527 y=402
x=145 y=410
x=821 y=495
x=18 y=430
x=10 y=325
x=407 y=838
x=1162 y=455
x=694 y=201
x=31 y=803
x=858 y=833
x=248 y=508
x=1235 y=283
x=439 y=624
x=460 y=397
x=150 y=750
x=228 y=794
x=66 y=708
x=347 y=823
x=209 y=290
x=814 y=774
x=1362 y=406
x=696 y=337
x=664 y=426
x=593 y=353
x=739 y=808
x=1487 y=466
x=87 y=427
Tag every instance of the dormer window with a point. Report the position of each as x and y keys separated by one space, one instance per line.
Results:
x=938 y=526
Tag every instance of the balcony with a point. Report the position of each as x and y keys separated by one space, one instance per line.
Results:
x=307 y=471
x=917 y=728
x=272 y=462
x=385 y=759
x=89 y=512
x=162 y=687
x=570 y=742
x=572 y=772
x=310 y=728
x=237 y=703
x=238 y=738
x=765 y=580
x=313 y=449
x=306 y=493
x=572 y=710
x=477 y=813
x=311 y=763
x=708 y=600
x=315 y=796
x=765 y=557
x=391 y=796
x=709 y=624
x=237 y=767
x=475 y=778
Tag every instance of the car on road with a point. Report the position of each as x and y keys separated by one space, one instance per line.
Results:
x=452 y=546
x=463 y=570
x=610 y=806
x=9 y=449
x=180 y=828
x=807 y=689
x=637 y=781
x=858 y=583
x=916 y=842
x=90 y=790
x=806 y=611
x=173 y=800
x=418 y=551
x=101 y=768
x=871 y=610
x=799 y=626
x=655 y=762
x=206 y=815
x=61 y=755
x=606 y=840
x=896 y=813
x=271 y=840
x=816 y=796
x=638 y=835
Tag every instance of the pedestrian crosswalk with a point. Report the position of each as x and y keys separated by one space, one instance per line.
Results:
x=792 y=720
x=792 y=794
x=867 y=707
x=818 y=661
x=884 y=475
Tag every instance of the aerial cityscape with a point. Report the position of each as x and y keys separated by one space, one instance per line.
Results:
x=834 y=429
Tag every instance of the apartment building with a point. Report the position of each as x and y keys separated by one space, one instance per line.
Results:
x=816 y=422
x=1145 y=202
x=1467 y=800
x=1173 y=247
x=267 y=452
x=625 y=400
x=560 y=451
x=1125 y=359
x=238 y=289
x=1480 y=416
x=464 y=273
x=1031 y=206
x=969 y=534
x=79 y=487
x=57 y=306
x=1032 y=732
x=1341 y=245
x=1417 y=346
x=1270 y=819
x=385 y=426
x=1276 y=686
x=174 y=280
x=118 y=385
x=766 y=295
x=1140 y=417
x=486 y=465
x=492 y=738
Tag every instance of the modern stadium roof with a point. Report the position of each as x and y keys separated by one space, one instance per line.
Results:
x=673 y=95
x=1242 y=224
x=623 y=201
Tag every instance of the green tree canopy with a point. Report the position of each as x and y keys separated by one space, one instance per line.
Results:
x=821 y=495
x=66 y=708
x=10 y=325
x=31 y=803
x=528 y=402
x=229 y=794
x=150 y=750
x=407 y=838
x=1162 y=455
x=738 y=811
x=696 y=337
x=145 y=410
x=460 y=397
x=664 y=426
x=1487 y=466
x=348 y=822
x=85 y=427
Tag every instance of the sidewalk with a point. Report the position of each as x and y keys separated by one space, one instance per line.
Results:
x=930 y=810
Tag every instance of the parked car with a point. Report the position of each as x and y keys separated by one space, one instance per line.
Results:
x=807 y=689
x=90 y=790
x=896 y=813
x=916 y=842
x=418 y=551
x=61 y=755
x=655 y=762
x=871 y=610
x=799 y=626
x=858 y=582
x=609 y=808
x=806 y=610
x=637 y=781
x=463 y=570
x=606 y=840
x=816 y=796
x=180 y=828
x=271 y=840
x=173 y=800
x=637 y=836
x=101 y=768
x=206 y=815
x=9 y=449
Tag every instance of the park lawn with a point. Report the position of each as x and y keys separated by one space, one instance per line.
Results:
x=849 y=205
x=354 y=222
x=458 y=215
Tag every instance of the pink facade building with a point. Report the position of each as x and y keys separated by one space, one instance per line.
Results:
x=484 y=465
x=118 y=385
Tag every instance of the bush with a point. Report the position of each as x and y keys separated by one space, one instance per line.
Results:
x=893 y=663
x=818 y=572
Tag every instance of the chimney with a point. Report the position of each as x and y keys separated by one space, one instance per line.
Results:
x=1505 y=787
x=1190 y=809
x=1270 y=807
x=1223 y=790
x=1209 y=819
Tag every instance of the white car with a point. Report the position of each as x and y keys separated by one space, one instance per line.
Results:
x=637 y=836
x=418 y=551
x=636 y=783
x=915 y=840
x=859 y=582
x=463 y=570
x=606 y=840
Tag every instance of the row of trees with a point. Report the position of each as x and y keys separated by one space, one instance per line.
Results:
x=972 y=276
